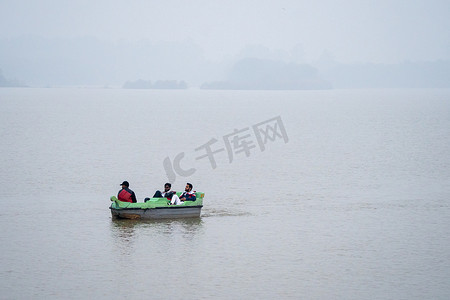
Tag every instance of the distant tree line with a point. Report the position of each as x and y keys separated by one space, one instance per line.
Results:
x=4 y=82
x=264 y=74
x=160 y=84
x=42 y=61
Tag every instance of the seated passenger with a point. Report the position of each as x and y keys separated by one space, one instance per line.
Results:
x=125 y=194
x=187 y=195
x=166 y=194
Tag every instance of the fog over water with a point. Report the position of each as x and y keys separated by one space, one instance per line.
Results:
x=47 y=43
x=355 y=205
x=344 y=196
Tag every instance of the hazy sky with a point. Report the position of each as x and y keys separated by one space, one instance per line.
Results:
x=386 y=31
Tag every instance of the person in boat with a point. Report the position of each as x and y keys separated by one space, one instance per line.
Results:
x=188 y=195
x=125 y=194
x=166 y=194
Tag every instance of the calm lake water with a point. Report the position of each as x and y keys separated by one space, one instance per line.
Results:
x=354 y=204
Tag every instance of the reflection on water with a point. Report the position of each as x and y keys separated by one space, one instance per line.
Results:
x=126 y=232
x=188 y=223
x=187 y=228
x=123 y=232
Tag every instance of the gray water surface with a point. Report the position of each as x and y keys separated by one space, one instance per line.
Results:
x=354 y=206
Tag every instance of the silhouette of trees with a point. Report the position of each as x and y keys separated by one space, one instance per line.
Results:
x=259 y=74
x=4 y=82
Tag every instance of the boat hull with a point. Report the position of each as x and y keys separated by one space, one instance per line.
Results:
x=157 y=212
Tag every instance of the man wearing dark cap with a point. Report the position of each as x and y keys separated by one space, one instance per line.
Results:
x=125 y=194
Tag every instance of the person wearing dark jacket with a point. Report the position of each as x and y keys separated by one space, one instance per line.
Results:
x=167 y=192
x=125 y=194
x=188 y=195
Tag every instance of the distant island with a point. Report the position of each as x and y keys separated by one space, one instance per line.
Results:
x=160 y=84
x=10 y=82
x=263 y=74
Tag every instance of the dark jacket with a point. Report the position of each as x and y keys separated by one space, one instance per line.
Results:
x=126 y=195
x=190 y=196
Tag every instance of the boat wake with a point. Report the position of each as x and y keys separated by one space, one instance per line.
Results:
x=206 y=213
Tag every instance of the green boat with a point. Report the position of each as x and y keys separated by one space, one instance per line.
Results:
x=157 y=208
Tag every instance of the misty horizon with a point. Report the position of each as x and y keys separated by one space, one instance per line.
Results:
x=111 y=42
